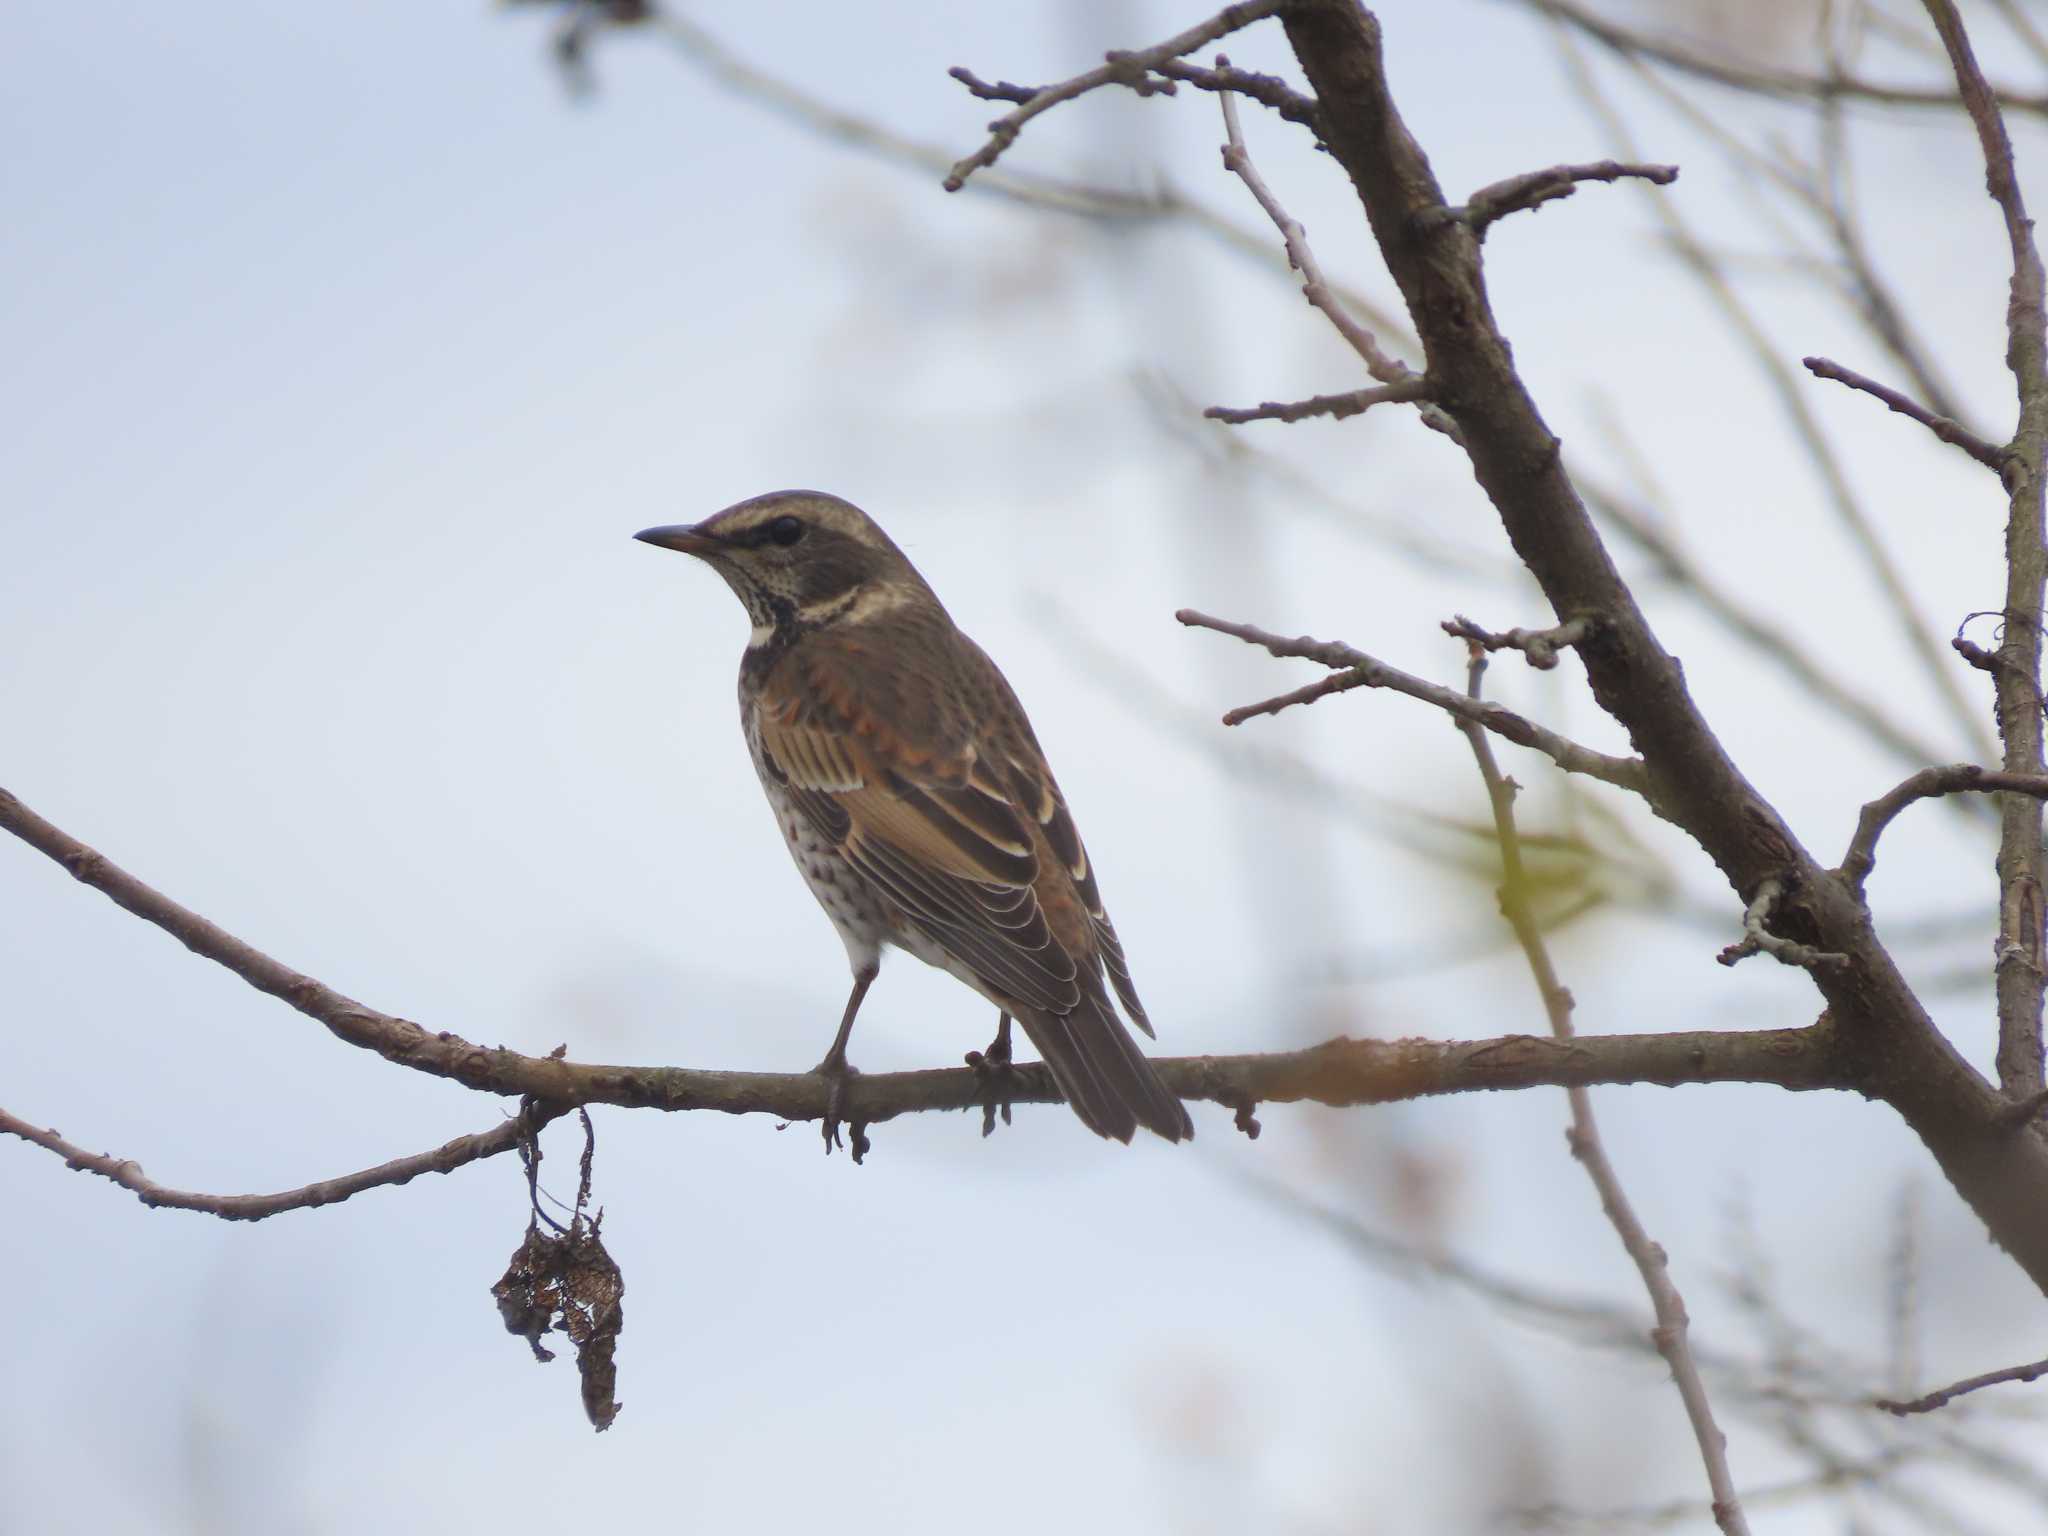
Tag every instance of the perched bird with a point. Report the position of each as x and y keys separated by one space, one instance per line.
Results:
x=916 y=801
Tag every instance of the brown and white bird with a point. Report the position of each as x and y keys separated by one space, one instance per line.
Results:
x=915 y=798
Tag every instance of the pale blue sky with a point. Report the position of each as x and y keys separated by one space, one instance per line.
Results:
x=349 y=354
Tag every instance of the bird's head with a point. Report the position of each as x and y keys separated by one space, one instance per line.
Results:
x=798 y=557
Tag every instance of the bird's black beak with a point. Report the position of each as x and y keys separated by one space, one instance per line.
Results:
x=687 y=537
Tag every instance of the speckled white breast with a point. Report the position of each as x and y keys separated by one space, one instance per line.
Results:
x=857 y=911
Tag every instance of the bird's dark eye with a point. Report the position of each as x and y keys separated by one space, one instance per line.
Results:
x=786 y=530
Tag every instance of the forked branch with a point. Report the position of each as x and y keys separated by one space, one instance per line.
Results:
x=1355 y=669
x=1135 y=69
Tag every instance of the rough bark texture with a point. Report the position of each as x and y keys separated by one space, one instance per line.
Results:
x=1891 y=1047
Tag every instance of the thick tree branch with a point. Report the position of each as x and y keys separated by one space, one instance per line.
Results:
x=1365 y=671
x=2022 y=967
x=1338 y=1072
x=459 y=1153
x=1949 y=431
x=1672 y=1335
x=1436 y=263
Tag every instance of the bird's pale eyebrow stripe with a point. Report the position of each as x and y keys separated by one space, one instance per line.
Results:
x=858 y=605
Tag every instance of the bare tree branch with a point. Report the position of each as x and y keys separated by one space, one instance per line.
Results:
x=1267 y=90
x=1758 y=938
x=1539 y=646
x=1390 y=371
x=459 y=1153
x=1120 y=68
x=1757 y=78
x=1903 y=1058
x=1354 y=403
x=1671 y=1334
x=2022 y=968
x=1368 y=672
x=1341 y=1072
x=1949 y=1393
x=1956 y=778
x=1532 y=189
x=1951 y=432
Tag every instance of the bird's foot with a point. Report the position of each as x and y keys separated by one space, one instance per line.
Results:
x=993 y=1067
x=837 y=1074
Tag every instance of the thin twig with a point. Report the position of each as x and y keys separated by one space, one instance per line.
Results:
x=2022 y=967
x=1758 y=78
x=1539 y=646
x=1954 y=1390
x=1758 y=939
x=1353 y=403
x=1122 y=68
x=1673 y=1325
x=1949 y=431
x=1355 y=669
x=459 y=1153
x=1532 y=189
x=1956 y=778
x=1315 y=288
x=1267 y=90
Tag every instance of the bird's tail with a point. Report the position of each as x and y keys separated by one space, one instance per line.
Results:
x=1105 y=1077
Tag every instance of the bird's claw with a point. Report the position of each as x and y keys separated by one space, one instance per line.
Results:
x=993 y=1068
x=837 y=1074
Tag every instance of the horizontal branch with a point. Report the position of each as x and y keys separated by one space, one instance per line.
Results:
x=459 y=1153
x=1948 y=430
x=1539 y=646
x=1158 y=79
x=1948 y=1394
x=1532 y=189
x=1268 y=90
x=1927 y=784
x=1363 y=671
x=1338 y=1072
x=1351 y=403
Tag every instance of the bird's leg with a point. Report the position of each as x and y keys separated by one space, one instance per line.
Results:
x=994 y=1066
x=834 y=1069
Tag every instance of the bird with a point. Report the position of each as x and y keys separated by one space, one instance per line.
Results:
x=917 y=803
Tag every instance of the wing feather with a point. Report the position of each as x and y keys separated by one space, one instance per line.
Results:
x=949 y=809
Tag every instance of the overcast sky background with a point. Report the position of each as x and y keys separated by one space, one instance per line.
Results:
x=349 y=352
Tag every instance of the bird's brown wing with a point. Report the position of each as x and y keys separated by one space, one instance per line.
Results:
x=934 y=788
x=914 y=806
